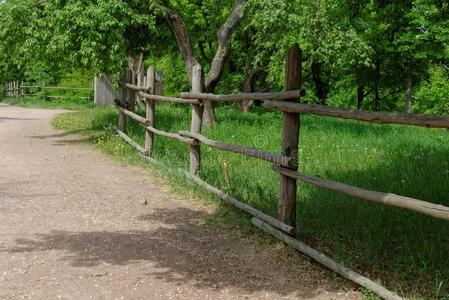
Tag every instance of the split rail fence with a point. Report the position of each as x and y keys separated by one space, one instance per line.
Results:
x=141 y=87
x=19 y=89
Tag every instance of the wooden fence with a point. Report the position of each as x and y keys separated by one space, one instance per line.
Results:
x=285 y=163
x=19 y=89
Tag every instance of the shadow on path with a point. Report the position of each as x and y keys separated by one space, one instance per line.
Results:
x=184 y=250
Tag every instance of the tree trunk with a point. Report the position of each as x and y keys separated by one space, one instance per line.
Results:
x=376 y=102
x=248 y=87
x=409 y=91
x=179 y=29
x=319 y=84
x=360 y=96
x=224 y=37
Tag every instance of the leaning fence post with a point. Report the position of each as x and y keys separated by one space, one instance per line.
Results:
x=290 y=139
x=197 y=112
x=150 y=108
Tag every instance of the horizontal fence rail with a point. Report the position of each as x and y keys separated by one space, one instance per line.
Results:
x=171 y=135
x=252 y=152
x=43 y=87
x=326 y=261
x=423 y=120
x=131 y=142
x=136 y=87
x=427 y=208
x=19 y=89
x=132 y=115
x=168 y=99
x=245 y=96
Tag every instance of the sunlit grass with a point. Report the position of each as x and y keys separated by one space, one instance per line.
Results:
x=407 y=251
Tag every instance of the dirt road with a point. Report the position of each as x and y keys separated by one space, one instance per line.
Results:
x=72 y=226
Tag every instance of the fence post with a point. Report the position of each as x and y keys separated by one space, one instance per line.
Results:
x=131 y=95
x=197 y=112
x=290 y=139
x=124 y=100
x=150 y=108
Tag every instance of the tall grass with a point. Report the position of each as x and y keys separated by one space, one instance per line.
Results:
x=409 y=252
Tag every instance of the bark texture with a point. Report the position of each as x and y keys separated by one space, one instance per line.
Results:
x=224 y=37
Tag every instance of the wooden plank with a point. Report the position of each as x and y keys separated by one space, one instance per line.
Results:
x=290 y=140
x=150 y=110
x=197 y=114
x=132 y=115
x=245 y=207
x=168 y=99
x=252 y=152
x=130 y=141
x=326 y=261
x=292 y=94
x=427 y=208
x=424 y=120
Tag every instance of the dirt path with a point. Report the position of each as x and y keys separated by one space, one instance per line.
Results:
x=72 y=226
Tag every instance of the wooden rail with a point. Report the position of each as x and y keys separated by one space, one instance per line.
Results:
x=326 y=261
x=427 y=208
x=132 y=115
x=168 y=99
x=423 y=120
x=245 y=207
x=294 y=94
x=174 y=136
x=56 y=87
x=136 y=87
x=131 y=142
x=252 y=152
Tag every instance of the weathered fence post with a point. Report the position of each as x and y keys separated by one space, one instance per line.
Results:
x=124 y=101
x=197 y=112
x=131 y=105
x=149 y=108
x=290 y=139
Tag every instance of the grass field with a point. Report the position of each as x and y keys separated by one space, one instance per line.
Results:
x=406 y=251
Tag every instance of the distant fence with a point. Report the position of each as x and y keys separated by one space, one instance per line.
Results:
x=20 y=89
x=285 y=163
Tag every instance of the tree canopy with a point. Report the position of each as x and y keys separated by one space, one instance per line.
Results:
x=364 y=54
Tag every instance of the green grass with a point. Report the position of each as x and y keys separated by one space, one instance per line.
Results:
x=58 y=103
x=406 y=251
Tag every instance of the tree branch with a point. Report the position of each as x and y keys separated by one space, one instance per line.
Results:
x=224 y=36
x=179 y=29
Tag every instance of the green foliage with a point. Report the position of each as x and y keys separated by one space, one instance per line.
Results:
x=432 y=95
x=175 y=78
x=348 y=46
